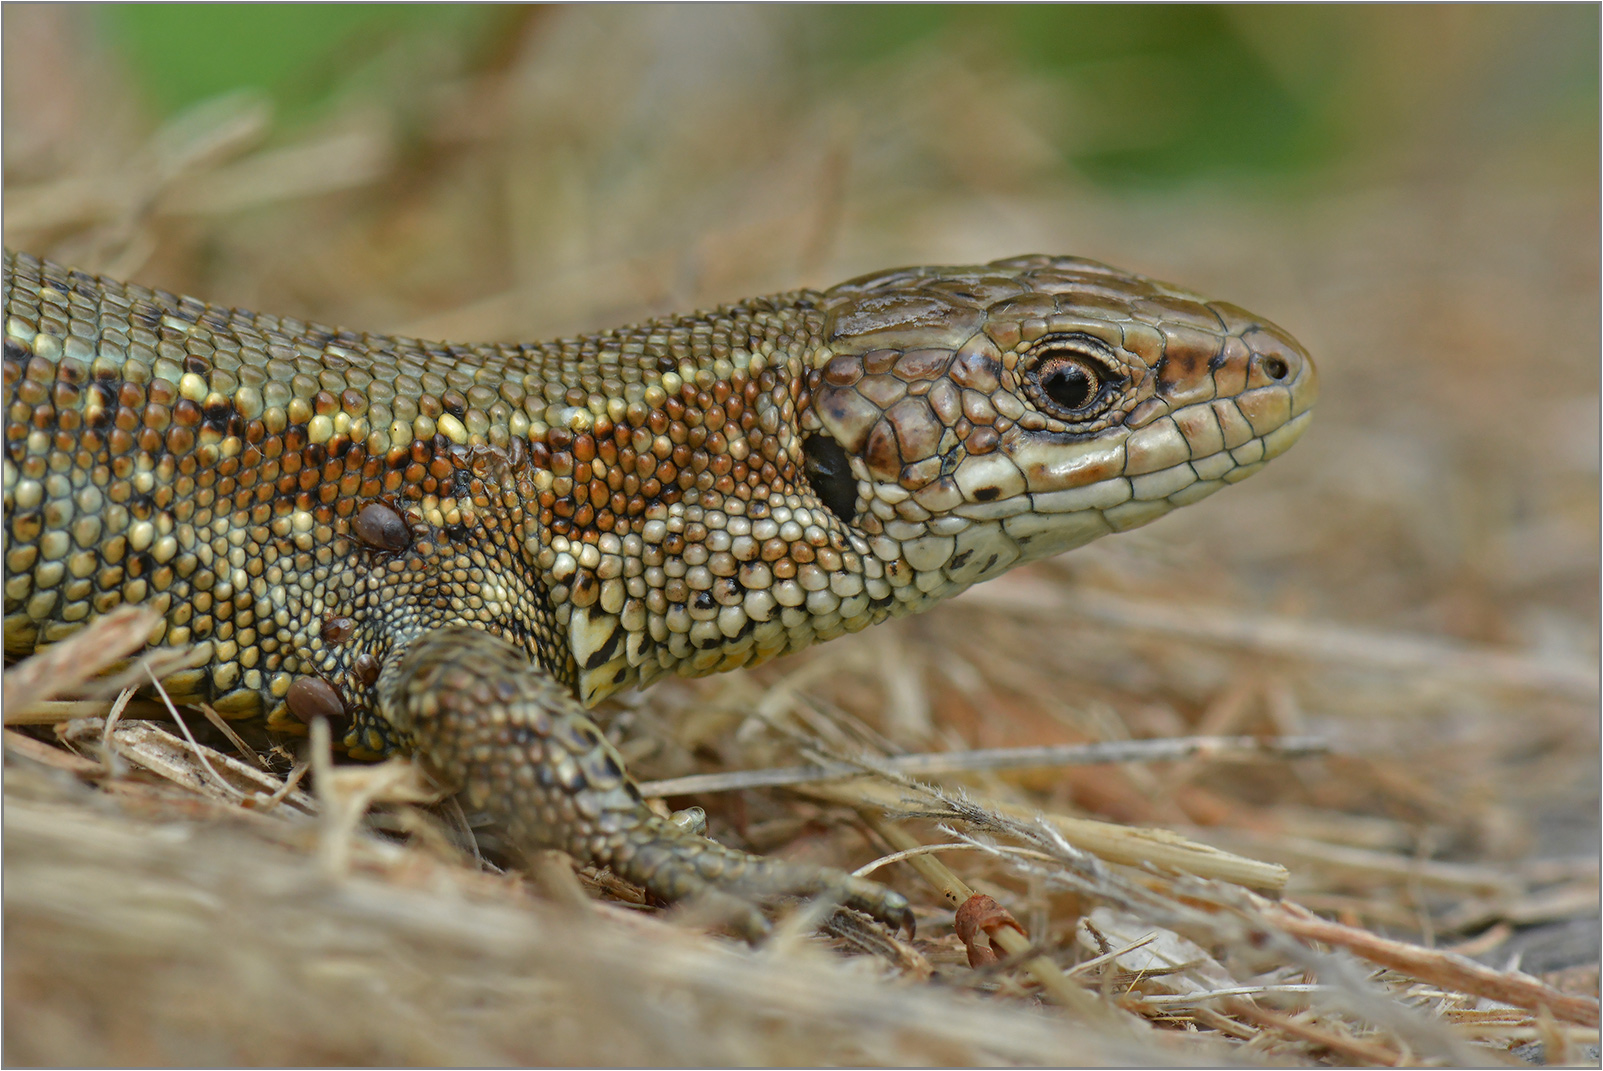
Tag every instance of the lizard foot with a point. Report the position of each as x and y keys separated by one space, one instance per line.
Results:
x=492 y=724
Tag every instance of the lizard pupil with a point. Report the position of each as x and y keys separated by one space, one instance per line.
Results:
x=1069 y=384
x=824 y=461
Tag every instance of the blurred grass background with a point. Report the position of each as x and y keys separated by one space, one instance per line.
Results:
x=1411 y=190
x=1155 y=94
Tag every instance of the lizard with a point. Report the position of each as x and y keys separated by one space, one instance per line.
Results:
x=455 y=550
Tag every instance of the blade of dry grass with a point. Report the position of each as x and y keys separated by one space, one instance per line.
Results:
x=1349 y=1048
x=65 y=667
x=1116 y=843
x=1438 y=967
x=47 y=755
x=1362 y=863
x=57 y=711
x=1313 y=641
x=946 y=762
x=493 y=978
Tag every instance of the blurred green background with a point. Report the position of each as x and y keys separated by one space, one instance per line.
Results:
x=1153 y=94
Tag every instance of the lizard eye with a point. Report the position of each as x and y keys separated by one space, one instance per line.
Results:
x=1068 y=382
x=1070 y=378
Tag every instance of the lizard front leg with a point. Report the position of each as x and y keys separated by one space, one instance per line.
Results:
x=487 y=721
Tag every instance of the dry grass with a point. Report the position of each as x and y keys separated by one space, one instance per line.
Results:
x=1414 y=584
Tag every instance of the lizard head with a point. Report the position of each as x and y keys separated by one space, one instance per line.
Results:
x=965 y=420
x=820 y=461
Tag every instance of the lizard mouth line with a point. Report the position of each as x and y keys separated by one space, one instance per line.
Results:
x=1202 y=475
x=983 y=539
